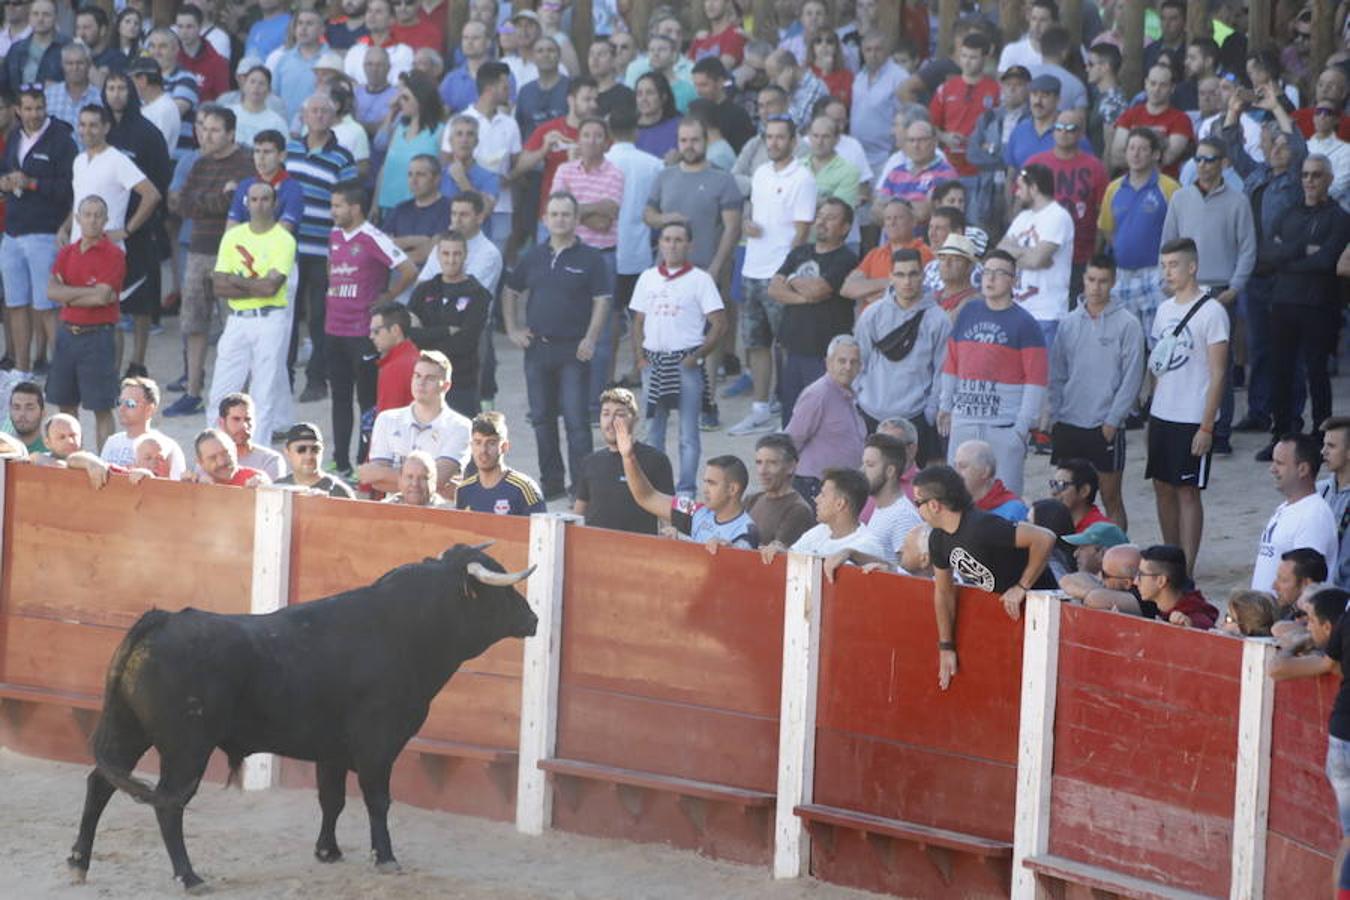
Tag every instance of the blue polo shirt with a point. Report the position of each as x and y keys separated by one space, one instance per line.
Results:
x=290 y=202
x=1024 y=143
x=483 y=181
x=562 y=288
x=1134 y=219
x=458 y=89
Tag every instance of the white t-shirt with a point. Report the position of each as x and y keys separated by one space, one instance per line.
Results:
x=1019 y=53
x=1305 y=523
x=118 y=450
x=778 y=199
x=498 y=141
x=674 y=308
x=817 y=541
x=110 y=175
x=891 y=524
x=1044 y=292
x=163 y=114
x=352 y=137
x=266 y=460
x=397 y=433
x=1180 y=394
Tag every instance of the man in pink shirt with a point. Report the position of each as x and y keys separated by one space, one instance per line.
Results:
x=360 y=259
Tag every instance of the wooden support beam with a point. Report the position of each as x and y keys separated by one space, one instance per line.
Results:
x=1036 y=737
x=583 y=29
x=1251 y=778
x=1071 y=19
x=456 y=15
x=271 y=590
x=948 y=11
x=1011 y=21
x=161 y=11
x=797 y=715
x=890 y=23
x=766 y=26
x=1131 y=18
x=1197 y=20
x=1324 y=37
x=637 y=22
x=1258 y=24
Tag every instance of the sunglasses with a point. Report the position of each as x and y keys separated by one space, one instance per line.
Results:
x=1208 y=159
x=128 y=404
x=1065 y=126
x=307 y=449
x=1056 y=485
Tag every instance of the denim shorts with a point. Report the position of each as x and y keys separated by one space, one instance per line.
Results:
x=1338 y=773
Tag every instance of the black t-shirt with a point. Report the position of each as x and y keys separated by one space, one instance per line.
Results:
x=1337 y=650
x=618 y=96
x=734 y=123
x=984 y=553
x=604 y=490
x=440 y=306
x=808 y=327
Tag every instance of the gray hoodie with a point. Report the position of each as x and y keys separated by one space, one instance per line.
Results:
x=909 y=387
x=1096 y=367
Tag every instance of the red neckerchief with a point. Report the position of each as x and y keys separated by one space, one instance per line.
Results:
x=367 y=40
x=281 y=176
x=671 y=276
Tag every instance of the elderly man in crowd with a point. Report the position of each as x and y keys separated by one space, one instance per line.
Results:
x=417 y=482
x=978 y=468
x=826 y=427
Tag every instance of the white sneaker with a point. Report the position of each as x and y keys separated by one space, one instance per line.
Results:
x=754 y=423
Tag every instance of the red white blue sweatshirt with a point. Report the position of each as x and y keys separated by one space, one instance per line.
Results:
x=995 y=370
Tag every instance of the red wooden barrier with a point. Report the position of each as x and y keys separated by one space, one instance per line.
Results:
x=463 y=759
x=80 y=566
x=1302 y=831
x=1145 y=747
x=670 y=677
x=889 y=743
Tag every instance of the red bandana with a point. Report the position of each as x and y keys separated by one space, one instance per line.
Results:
x=671 y=276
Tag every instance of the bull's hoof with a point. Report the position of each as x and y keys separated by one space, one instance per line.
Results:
x=78 y=871
x=192 y=884
x=388 y=867
x=327 y=854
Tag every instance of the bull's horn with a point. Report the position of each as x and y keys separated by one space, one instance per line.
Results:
x=483 y=546
x=500 y=579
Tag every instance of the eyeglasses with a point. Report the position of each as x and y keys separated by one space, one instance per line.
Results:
x=128 y=404
x=1065 y=126
x=1207 y=159
x=920 y=500
x=1143 y=574
x=1002 y=273
x=307 y=449
x=1056 y=485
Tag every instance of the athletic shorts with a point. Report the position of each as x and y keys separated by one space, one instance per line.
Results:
x=84 y=369
x=141 y=289
x=1072 y=442
x=1169 y=454
x=761 y=315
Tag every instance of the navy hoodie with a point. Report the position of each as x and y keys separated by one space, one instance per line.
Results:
x=49 y=163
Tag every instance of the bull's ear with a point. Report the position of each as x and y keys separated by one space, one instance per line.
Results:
x=472 y=548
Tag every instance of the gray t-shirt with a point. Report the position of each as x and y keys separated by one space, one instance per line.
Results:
x=702 y=196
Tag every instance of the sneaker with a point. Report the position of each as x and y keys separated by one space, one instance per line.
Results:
x=314 y=391
x=1266 y=453
x=710 y=420
x=6 y=363
x=186 y=405
x=775 y=407
x=1222 y=447
x=41 y=367
x=156 y=329
x=1040 y=442
x=731 y=366
x=136 y=370
x=743 y=384
x=177 y=387
x=754 y=423
x=342 y=470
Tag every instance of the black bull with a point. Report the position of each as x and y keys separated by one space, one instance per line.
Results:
x=344 y=681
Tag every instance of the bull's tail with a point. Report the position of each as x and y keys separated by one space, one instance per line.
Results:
x=140 y=790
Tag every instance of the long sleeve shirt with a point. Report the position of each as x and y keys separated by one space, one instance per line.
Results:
x=1220 y=223
x=826 y=428
x=1096 y=367
x=206 y=201
x=1303 y=278
x=995 y=370
x=1272 y=194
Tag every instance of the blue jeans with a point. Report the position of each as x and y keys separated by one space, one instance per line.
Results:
x=555 y=384
x=1338 y=773
x=25 y=263
x=1254 y=307
x=691 y=446
x=795 y=373
x=1049 y=328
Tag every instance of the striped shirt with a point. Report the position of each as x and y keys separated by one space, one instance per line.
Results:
x=180 y=84
x=604 y=182
x=318 y=172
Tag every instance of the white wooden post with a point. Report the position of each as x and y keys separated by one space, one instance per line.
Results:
x=1251 y=789
x=271 y=592
x=1036 y=739
x=797 y=714
x=539 y=678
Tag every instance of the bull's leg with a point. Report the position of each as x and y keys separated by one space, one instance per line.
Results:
x=374 y=780
x=99 y=790
x=179 y=778
x=332 y=778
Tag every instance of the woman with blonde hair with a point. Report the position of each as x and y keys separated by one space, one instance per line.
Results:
x=1250 y=614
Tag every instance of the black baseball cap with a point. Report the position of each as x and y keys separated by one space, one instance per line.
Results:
x=303 y=431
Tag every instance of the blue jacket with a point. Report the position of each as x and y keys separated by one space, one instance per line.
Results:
x=49 y=67
x=1279 y=192
x=50 y=163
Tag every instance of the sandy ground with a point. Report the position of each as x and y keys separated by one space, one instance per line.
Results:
x=1237 y=504
x=259 y=845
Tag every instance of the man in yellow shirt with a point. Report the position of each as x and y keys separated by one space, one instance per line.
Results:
x=252 y=266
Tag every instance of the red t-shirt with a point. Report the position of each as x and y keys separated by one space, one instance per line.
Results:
x=730 y=41
x=1303 y=118
x=1168 y=122
x=243 y=474
x=211 y=69
x=1080 y=183
x=103 y=263
x=1091 y=517
x=394 y=388
x=956 y=106
x=552 y=160
x=423 y=34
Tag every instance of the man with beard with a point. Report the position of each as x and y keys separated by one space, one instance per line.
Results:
x=218 y=463
x=142 y=143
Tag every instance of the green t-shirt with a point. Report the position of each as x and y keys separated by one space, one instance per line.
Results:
x=35 y=446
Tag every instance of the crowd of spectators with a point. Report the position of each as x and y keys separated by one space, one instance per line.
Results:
x=918 y=268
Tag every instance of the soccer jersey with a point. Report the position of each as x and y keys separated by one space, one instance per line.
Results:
x=517 y=494
x=359 y=263
x=699 y=523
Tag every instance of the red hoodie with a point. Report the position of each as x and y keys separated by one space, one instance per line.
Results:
x=1194 y=606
